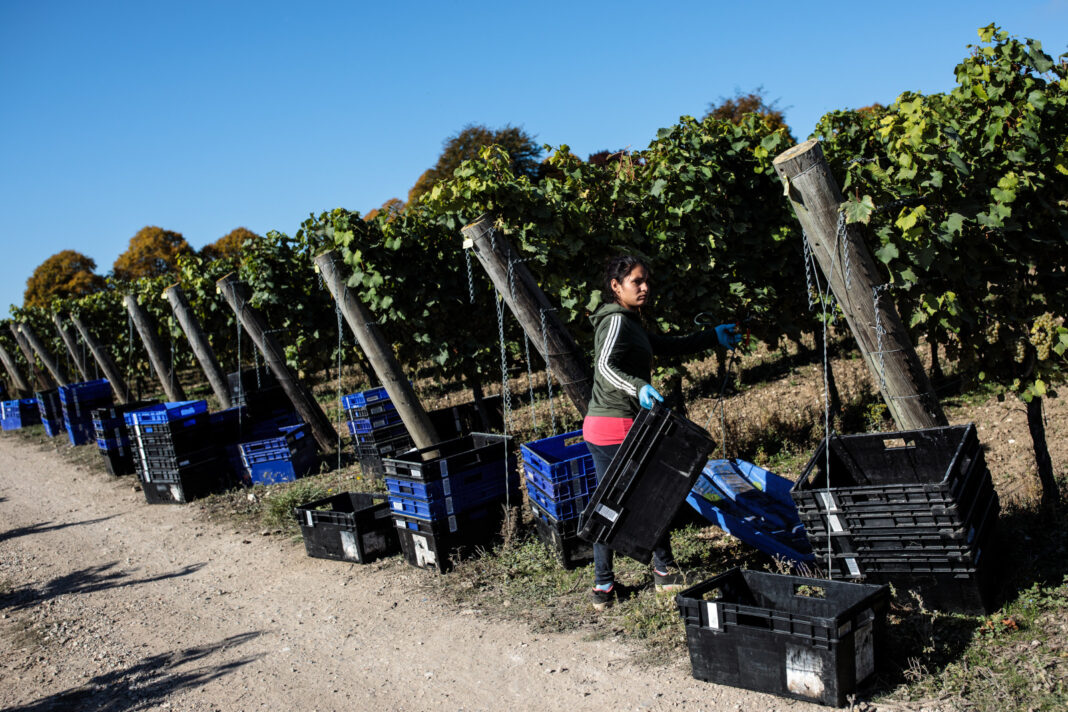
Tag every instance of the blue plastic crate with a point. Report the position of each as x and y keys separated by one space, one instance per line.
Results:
x=763 y=533
x=745 y=484
x=113 y=443
x=436 y=511
x=275 y=471
x=378 y=435
x=457 y=485
x=21 y=413
x=371 y=409
x=559 y=458
x=80 y=433
x=367 y=425
x=581 y=485
x=290 y=437
x=361 y=399
x=165 y=412
x=85 y=391
x=560 y=509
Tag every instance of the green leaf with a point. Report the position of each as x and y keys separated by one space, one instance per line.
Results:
x=658 y=187
x=954 y=223
x=887 y=252
x=858 y=210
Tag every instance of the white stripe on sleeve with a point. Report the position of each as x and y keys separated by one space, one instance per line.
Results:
x=610 y=343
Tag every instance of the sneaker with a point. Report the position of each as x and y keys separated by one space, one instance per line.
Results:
x=602 y=598
x=665 y=581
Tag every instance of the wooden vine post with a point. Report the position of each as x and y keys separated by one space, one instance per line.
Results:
x=72 y=346
x=855 y=280
x=532 y=308
x=104 y=360
x=22 y=388
x=379 y=353
x=42 y=381
x=54 y=367
x=236 y=295
x=167 y=377
x=199 y=343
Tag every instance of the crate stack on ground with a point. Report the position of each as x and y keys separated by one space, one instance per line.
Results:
x=754 y=505
x=351 y=526
x=288 y=453
x=914 y=508
x=21 y=413
x=798 y=637
x=229 y=428
x=259 y=392
x=451 y=497
x=560 y=478
x=174 y=454
x=376 y=428
x=79 y=400
x=113 y=438
x=51 y=409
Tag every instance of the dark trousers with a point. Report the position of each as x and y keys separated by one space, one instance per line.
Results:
x=603 y=574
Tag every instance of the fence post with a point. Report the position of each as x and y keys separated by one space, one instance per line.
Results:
x=104 y=360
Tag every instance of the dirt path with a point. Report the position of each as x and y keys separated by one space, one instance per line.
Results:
x=107 y=603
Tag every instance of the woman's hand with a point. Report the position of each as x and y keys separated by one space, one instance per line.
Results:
x=729 y=335
x=647 y=395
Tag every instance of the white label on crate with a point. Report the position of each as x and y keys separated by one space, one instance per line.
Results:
x=308 y=516
x=446 y=488
x=863 y=652
x=452 y=523
x=804 y=672
x=176 y=493
x=609 y=514
x=444 y=468
x=836 y=523
x=424 y=556
x=712 y=610
x=828 y=501
x=348 y=545
x=449 y=509
x=398 y=506
x=851 y=564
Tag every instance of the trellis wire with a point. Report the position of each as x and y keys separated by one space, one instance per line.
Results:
x=548 y=369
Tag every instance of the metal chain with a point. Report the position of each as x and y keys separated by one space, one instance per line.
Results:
x=470 y=277
x=129 y=344
x=240 y=395
x=530 y=381
x=548 y=369
x=340 y=346
x=879 y=332
x=808 y=270
x=842 y=243
x=506 y=395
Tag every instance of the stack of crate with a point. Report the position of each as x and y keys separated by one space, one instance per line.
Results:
x=560 y=478
x=376 y=428
x=51 y=409
x=15 y=414
x=450 y=497
x=259 y=392
x=288 y=454
x=913 y=508
x=174 y=454
x=79 y=400
x=112 y=437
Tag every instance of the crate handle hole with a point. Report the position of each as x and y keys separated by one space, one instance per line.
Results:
x=751 y=621
x=713 y=595
x=898 y=443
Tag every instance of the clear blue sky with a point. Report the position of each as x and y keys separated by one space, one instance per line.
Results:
x=201 y=117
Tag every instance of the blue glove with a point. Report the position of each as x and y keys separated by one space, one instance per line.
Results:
x=647 y=395
x=729 y=335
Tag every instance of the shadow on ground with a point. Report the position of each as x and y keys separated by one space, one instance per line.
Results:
x=146 y=683
x=47 y=527
x=87 y=580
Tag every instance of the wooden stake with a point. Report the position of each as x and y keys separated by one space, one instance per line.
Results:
x=858 y=286
x=54 y=367
x=104 y=360
x=379 y=353
x=72 y=346
x=18 y=383
x=199 y=343
x=42 y=381
x=167 y=378
x=236 y=295
x=529 y=304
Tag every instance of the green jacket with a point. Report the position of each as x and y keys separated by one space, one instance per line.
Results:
x=623 y=358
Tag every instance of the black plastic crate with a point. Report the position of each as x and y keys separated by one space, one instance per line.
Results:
x=457 y=421
x=971 y=591
x=928 y=466
x=186 y=484
x=457 y=455
x=570 y=550
x=646 y=483
x=797 y=637
x=441 y=543
x=118 y=462
x=49 y=404
x=351 y=526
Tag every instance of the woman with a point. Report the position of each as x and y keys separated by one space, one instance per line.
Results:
x=623 y=358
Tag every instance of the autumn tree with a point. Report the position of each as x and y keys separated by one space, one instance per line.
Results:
x=64 y=274
x=229 y=245
x=390 y=209
x=465 y=145
x=153 y=251
x=735 y=108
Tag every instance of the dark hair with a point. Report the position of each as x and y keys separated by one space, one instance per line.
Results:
x=618 y=268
